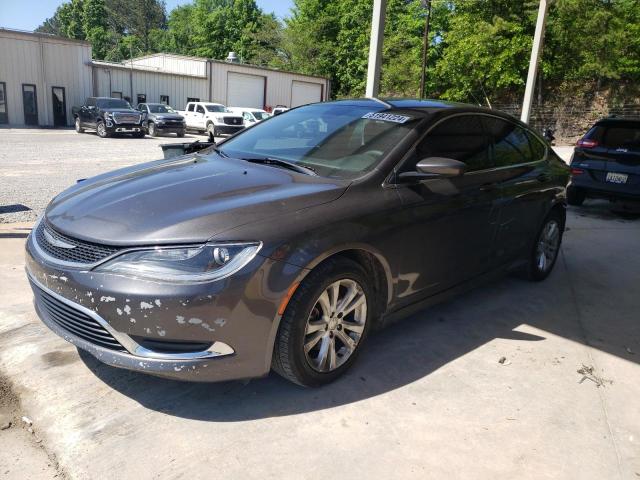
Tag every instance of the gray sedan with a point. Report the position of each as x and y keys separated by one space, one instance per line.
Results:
x=284 y=246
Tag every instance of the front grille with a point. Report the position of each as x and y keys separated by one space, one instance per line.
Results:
x=233 y=120
x=82 y=252
x=75 y=321
x=120 y=117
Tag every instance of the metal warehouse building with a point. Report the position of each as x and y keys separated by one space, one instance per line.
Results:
x=43 y=76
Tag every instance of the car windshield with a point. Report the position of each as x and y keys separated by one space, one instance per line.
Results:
x=112 y=103
x=216 y=108
x=160 y=109
x=342 y=141
x=260 y=115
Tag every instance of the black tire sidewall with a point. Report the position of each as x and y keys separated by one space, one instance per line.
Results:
x=535 y=273
x=299 y=308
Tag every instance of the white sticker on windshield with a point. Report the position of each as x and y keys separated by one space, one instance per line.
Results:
x=387 y=117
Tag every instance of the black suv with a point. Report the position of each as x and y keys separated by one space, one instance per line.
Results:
x=108 y=116
x=606 y=162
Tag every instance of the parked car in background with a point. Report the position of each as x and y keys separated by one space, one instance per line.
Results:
x=278 y=110
x=251 y=116
x=213 y=118
x=606 y=163
x=108 y=116
x=158 y=118
x=284 y=246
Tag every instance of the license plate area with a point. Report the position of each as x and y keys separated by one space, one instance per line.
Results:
x=614 y=177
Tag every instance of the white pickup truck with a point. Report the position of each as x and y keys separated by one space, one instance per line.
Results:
x=211 y=117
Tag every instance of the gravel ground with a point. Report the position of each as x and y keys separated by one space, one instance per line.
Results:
x=37 y=164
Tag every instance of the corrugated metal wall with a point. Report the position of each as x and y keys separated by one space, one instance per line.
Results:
x=279 y=84
x=45 y=62
x=111 y=79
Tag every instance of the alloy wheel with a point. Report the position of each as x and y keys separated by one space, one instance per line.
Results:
x=335 y=325
x=548 y=245
x=101 y=129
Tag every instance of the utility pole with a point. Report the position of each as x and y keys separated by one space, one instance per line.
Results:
x=375 y=48
x=536 y=50
x=426 y=4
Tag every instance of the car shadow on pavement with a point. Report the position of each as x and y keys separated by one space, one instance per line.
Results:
x=394 y=357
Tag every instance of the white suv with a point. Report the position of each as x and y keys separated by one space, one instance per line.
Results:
x=251 y=116
x=214 y=118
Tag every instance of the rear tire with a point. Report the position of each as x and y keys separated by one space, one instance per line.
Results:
x=546 y=248
x=78 y=126
x=331 y=332
x=575 y=196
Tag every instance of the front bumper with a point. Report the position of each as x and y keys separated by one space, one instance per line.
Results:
x=170 y=128
x=236 y=317
x=228 y=129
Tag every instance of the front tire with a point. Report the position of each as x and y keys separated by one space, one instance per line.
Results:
x=78 y=126
x=211 y=129
x=575 y=196
x=325 y=324
x=546 y=248
x=153 y=132
x=101 y=130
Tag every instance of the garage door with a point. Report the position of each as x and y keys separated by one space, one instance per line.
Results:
x=245 y=90
x=305 y=92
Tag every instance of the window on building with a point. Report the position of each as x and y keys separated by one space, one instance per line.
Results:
x=192 y=99
x=116 y=95
x=4 y=117
x=141 y=98
x=164 y=99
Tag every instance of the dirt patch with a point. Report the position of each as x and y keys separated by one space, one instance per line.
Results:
x=23 y=454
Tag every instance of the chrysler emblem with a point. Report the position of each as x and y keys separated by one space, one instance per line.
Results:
x=56 y=242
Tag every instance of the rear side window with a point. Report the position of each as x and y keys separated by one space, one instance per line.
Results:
x=461 y=138
x=510 y=142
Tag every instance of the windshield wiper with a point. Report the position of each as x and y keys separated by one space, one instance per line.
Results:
x=277 y=162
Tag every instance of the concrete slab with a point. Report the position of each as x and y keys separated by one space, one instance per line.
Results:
x=427 y=399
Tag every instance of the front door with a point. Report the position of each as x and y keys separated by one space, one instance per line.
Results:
x=59 y=107
x=30 y=104
x=4 y=116
x=448 y=224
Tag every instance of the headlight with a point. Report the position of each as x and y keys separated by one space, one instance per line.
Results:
x=203 y=263
x=108 y=115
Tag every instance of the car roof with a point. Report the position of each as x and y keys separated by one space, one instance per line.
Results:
x=618 y=121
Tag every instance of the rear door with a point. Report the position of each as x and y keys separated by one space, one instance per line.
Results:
x=448 y=224
x=520 y=170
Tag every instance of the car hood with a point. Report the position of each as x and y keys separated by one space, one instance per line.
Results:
x=189 y=199
x=119 y=110
x=166 y=116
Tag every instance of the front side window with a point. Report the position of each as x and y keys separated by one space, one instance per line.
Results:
x=510 y=142
x=461 y=138
x=342 y=141
x=200 y=109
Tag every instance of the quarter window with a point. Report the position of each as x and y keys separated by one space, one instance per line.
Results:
x=460 y=138
x=538 y=149
x=510 y=142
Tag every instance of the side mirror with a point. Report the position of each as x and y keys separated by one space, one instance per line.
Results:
x=435 y=167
